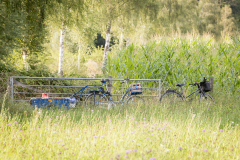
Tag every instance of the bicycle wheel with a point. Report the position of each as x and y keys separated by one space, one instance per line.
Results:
x=171 y=98
x=94 y=99
x=135 y=100
x=206 y=99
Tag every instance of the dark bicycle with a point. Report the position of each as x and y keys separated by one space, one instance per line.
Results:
x=101 y=98
x=130 y=96
x=173 y=96
x=96 y=93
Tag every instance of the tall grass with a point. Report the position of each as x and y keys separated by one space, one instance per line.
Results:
x=186 y=131
x=181 y=60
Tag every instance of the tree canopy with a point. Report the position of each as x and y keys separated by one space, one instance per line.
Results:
x=35 y=25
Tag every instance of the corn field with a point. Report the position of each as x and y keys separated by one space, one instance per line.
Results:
x=181 y=60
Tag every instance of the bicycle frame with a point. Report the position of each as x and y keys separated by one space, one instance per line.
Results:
x=122 y=100
x=199 y=90
x=82 y=89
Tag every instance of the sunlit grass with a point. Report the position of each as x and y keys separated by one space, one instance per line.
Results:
x=181 y=131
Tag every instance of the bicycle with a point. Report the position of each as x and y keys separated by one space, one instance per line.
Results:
x=130 y=97
x=99 y=97
x=96 y=91
x=173 y=96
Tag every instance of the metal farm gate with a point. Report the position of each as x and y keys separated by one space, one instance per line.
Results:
x=25 y=88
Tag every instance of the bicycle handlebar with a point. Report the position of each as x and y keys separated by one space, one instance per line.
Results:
x=193 y=84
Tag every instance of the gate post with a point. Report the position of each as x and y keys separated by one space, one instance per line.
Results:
x=110 y=84
x=159 y=89
x=11 y=87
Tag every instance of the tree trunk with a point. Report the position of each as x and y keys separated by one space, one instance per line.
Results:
x=127 y=42
x=79 y=55
x=224 y=27
x=107 y=45
x=60 y=66
x=121 y=39
x=25 y=55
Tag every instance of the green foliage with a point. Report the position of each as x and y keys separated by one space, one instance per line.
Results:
x=181 y=60
x=132 y=132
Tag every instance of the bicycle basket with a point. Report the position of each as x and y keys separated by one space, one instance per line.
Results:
x=135 y=88
x=205 y=86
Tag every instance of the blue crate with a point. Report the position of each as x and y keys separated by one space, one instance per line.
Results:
x=45 y=102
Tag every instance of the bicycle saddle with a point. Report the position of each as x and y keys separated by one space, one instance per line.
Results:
x=180 y=85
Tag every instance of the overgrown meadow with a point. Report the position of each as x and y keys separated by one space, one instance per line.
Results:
x=151 y=131
x=181 y=131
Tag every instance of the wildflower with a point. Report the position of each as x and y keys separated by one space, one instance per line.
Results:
x=15 y=122
x=203 y=130
x=92 y=110
x=63 y=144
x=10 y=117
x=143 y=132
x=9 y=124
x=50 y=119
x=136 y=121
x=147 y=137
x=144 y=118
x=102 y=136
x=95 y=136
x=127 y=115
x=231 y=149
x=118 y=155
x=128 y=151
x=152 y=158
x=67 y=113
x=135 y=150
x=180 y=148
x=57 y=141
x=152 y=134
x=61 y=111
x=132 y=132
x=205 y=150
x=56 y=116
x=221 y=130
